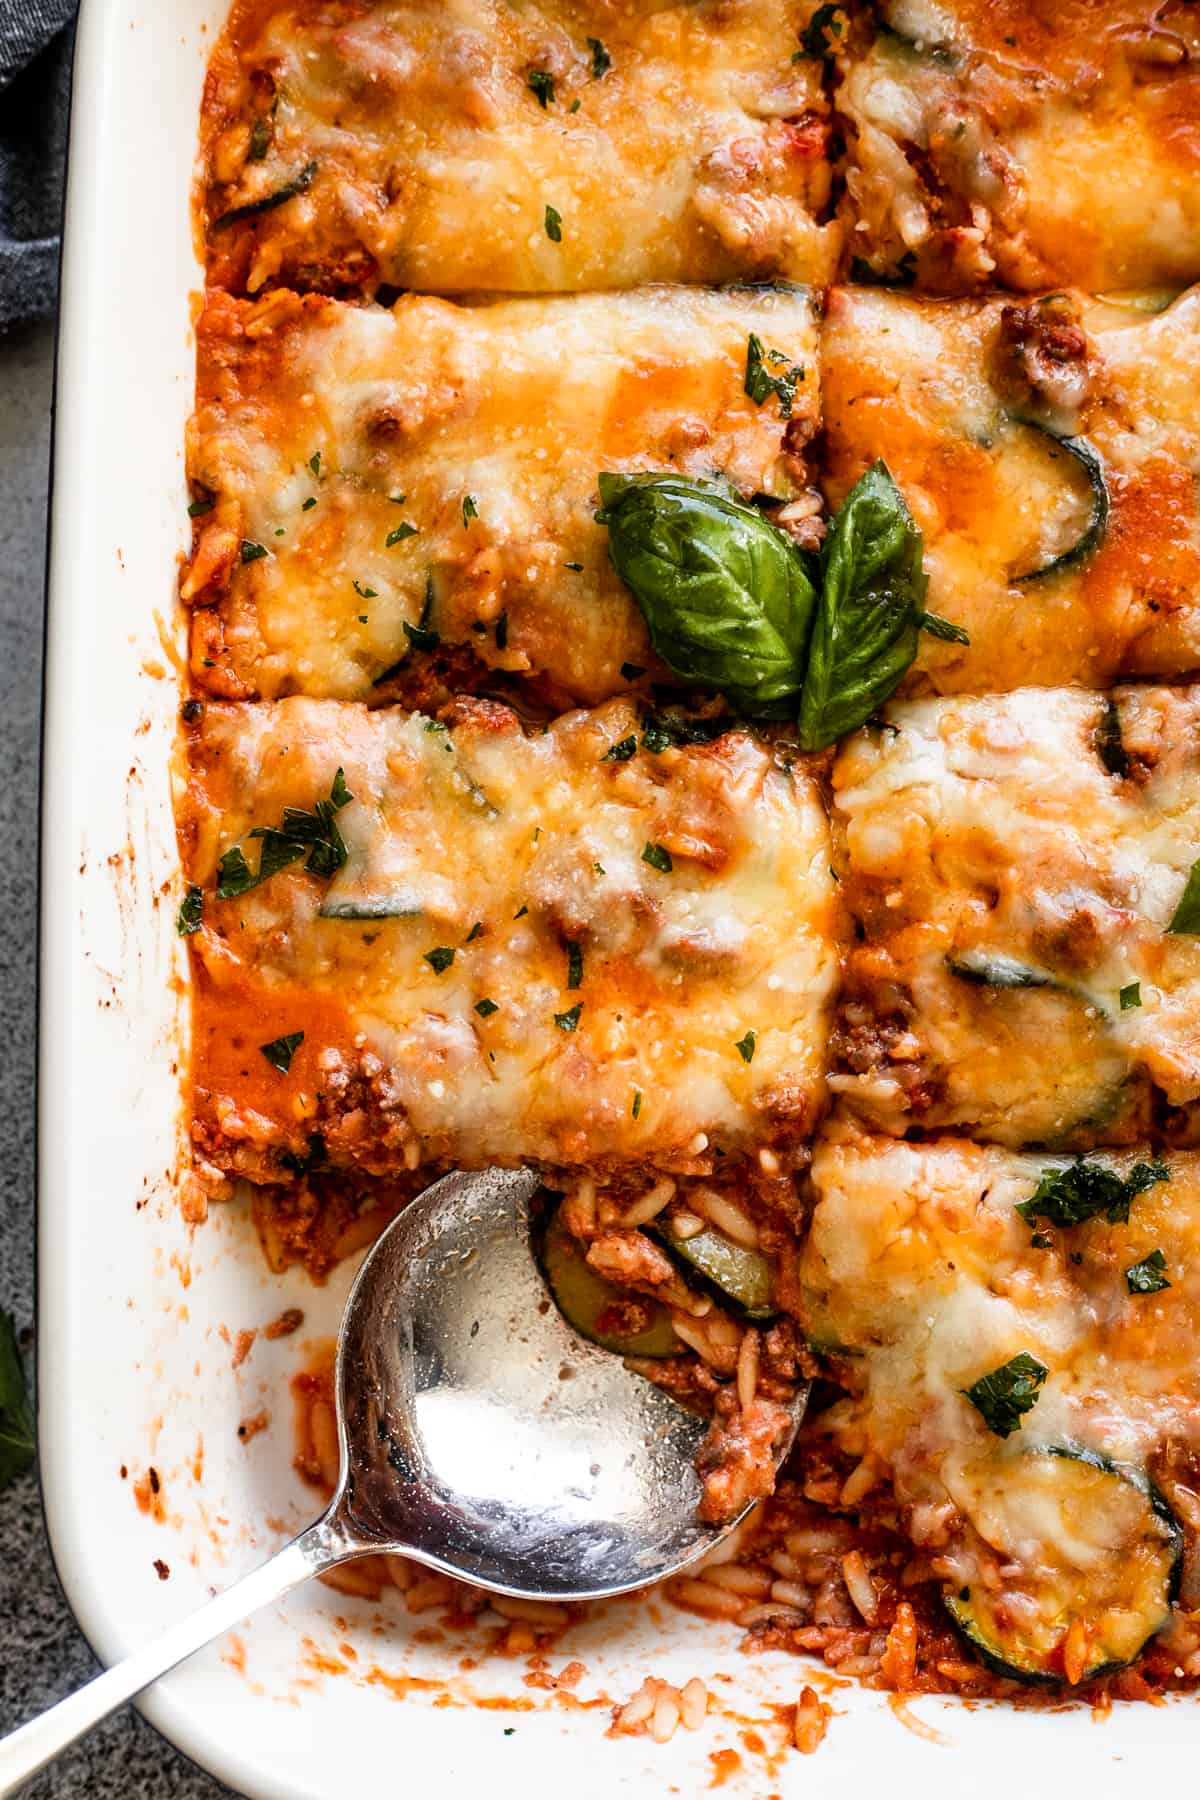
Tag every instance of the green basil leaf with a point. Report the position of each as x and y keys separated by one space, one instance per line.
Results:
x=1089 y=1190
x=725 y=594
x=280 y=1051
x=16 y=1414
x=868 y=622
x=1148 y=1276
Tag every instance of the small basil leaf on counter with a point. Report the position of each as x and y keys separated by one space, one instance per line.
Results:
x=725 y=594
x=1005 y=1395
x=1185 y=920
x=16 y=1414
x=280 y=1051
x=1148 y=1276
x=867 y=625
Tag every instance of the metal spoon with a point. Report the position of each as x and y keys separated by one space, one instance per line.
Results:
x=479 y=1435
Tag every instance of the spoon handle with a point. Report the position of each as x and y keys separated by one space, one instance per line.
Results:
x=27 y=1750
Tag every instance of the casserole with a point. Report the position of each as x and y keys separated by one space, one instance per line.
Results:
x=141 y=1365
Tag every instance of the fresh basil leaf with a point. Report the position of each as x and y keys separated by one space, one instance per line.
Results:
x=867 y=625
x=251 y=552
x=818 y=39
x=659 y=857
x=233 y=875
x=553 y=221
x=1005 y=1395
x=621 y=752
x=569 y=1021
x=402 y=531
x=314 y=835
x=1148 y=1276
x=601 y=60
x=745 y=1046
x=1087 y=1190
x=1131 y=996
x=1185 y=920
x=191 y=912
x=485 y=1008
x=725 y=594
x=440 y=959
x=280 y=1051
x=16 y=1414
x=470 y=509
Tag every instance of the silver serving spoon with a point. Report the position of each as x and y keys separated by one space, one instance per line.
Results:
x=479 y=1435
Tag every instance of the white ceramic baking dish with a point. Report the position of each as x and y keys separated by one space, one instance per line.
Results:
x=322 y=1697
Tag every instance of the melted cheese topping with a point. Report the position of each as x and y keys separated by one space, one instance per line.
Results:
x=698 y=154
x=998 y=141
x=920 y=1277
x=918 y=383
x=507 y=849
x=988 y=837
x=513 y=406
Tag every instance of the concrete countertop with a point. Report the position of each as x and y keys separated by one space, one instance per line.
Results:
x=42 y=1655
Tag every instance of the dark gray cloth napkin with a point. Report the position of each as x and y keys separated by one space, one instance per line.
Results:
x=35 y=68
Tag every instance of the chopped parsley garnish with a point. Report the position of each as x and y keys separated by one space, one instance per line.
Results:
x=198 y=508
x=476 y=929
x=309 y=503
x=191 y=912
x=313 y=835
x=575 y=105
x=440 y=959
x=1131 y=996
x=621 y=752
x=541 y=83
x=520 y=912
x=662 y=733
x=601 y=60
x=945 y=629
x=1087 y=1190
x=553 y=225
x=502 y=631
x=629 y=671
x=569 y=1021
x=745 y=1046
x=16 y=1414
x=1109 y=747
x=402 y=531
x=397 y=499
x=485 y=1008
x=636 y=1108
x=1008 y=1393
x=314 y=463
x=469 y=509
x=658 y=857
x=818 y=39
x=299 y=184
x=574 y=966
x=1149 y=1275
x=760 y=383
x=280 y=1051
x=578 y=567
x=365 y=593
x=252 y=551
x=1185 y=920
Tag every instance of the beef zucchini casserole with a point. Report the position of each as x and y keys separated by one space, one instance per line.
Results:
x=694 y=613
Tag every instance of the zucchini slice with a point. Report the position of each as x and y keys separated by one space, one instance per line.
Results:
x=994 y=968
x=1093 y=533
x=614 y=1318
x=1079 y=1565
x=741 y=1277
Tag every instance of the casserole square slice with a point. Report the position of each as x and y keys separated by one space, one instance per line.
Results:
x=1050 y=452
x=402 y=502
x=1017 y=144
x=530 y=148
x=1028 y=967
x=1020 y=1399
x=501 y=946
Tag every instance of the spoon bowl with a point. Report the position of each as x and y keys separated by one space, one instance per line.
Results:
x=479 y=1433
x=482 y=1435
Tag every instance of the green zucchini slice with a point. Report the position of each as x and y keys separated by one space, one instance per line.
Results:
x=994 y=968
x=1093 y=533
x=741 y=1277
x=612 y=1317
x=1079 y=1565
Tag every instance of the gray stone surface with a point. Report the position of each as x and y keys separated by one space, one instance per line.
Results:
x=42 y=1655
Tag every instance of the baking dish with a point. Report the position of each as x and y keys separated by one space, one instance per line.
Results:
x=140 y=1315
